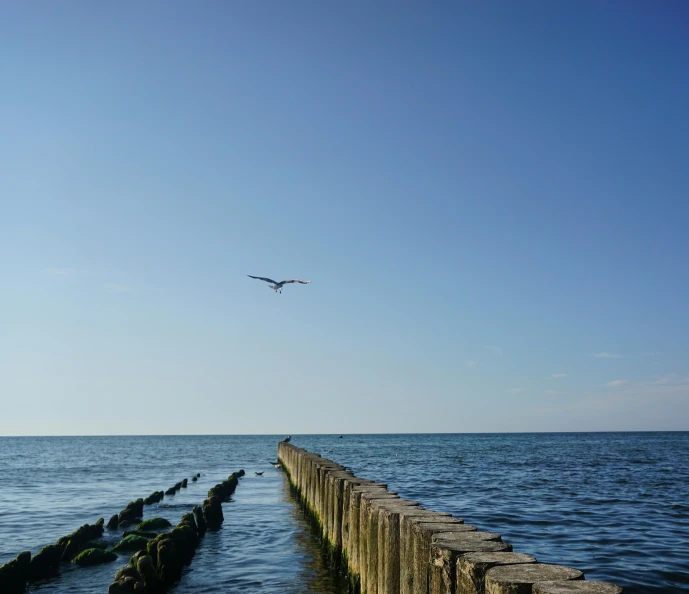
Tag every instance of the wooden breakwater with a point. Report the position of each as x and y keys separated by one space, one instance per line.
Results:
x=388 y=545
x=158 y=558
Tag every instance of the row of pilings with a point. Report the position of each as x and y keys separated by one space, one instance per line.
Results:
x=84 y=547
x=158 y=562
x=388 y=545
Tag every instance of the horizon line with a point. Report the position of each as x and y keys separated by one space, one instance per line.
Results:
x=352 y=434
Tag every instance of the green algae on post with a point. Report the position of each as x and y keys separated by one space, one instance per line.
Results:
x=15 y=573
x=94 y=556
x=46 y=563
x=158 y=564
x=113 y=522
x=153 y=524
x=154 y=497
x=133 y=511
x=75 y=542
x=131 y=543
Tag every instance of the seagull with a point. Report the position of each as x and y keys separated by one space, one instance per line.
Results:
x=277 y=286
x=287 y=439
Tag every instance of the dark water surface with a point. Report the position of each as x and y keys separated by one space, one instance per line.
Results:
x=615 y=505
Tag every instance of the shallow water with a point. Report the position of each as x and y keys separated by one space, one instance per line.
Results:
x=614 y=505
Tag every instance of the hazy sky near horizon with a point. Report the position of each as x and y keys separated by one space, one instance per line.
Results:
x=491 y=199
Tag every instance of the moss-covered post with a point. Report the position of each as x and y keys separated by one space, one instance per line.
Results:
x=15 y=573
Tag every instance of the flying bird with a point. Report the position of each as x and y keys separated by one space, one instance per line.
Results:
x=277 y=286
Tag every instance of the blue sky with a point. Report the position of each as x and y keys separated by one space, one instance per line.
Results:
x=491 y=199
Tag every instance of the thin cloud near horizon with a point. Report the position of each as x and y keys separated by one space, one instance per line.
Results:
x=617 y=383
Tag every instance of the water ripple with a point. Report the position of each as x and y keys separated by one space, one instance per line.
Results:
x=611 y=504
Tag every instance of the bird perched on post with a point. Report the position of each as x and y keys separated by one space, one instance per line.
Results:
x=277 y=286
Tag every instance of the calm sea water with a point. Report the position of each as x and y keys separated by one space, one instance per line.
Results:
x=615 y=505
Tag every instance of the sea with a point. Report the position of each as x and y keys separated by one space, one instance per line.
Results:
x=614 y=505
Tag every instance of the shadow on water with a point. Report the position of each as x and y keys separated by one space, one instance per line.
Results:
x=265 y=545
x=316 y=574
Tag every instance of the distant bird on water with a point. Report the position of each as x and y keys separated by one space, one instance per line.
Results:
x=277 y=286
x=259 y=474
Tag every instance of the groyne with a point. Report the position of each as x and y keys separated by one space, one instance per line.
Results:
x=158 y=561
x=388 y=545
x=165 y=554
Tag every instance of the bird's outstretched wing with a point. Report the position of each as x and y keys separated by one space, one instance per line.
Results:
x=268 y=280
x=294 y=280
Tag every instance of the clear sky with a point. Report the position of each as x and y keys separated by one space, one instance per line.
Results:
x=491 y=200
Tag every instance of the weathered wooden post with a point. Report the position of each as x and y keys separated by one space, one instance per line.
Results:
x=444 y=558
x=519 y=579
x=472 y=567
